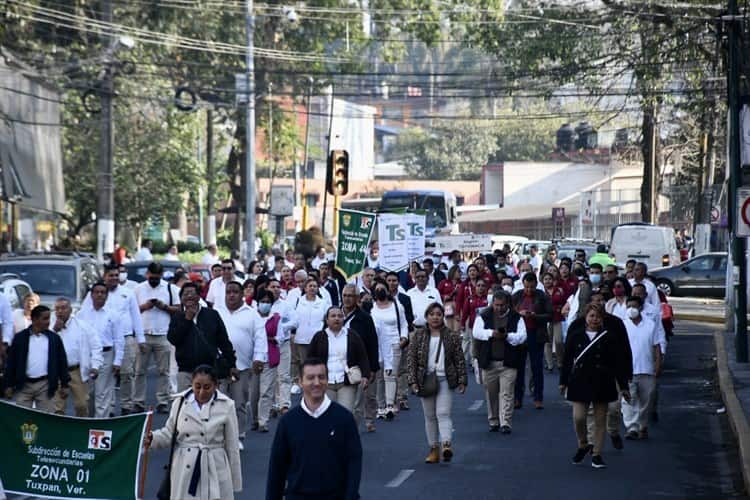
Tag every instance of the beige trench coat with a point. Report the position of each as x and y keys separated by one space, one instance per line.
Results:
x=213 y=430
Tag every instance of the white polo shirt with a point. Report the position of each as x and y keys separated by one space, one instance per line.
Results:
x=155 y=321
x=642 y=339
x=240 y=325
x=217 y=291
x=420 y=299
x=336 y=362
x=36 y=361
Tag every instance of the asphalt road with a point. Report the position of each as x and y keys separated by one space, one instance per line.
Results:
x=690 y=453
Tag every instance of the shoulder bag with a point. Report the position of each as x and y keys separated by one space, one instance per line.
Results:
x=591 y=344
x=430 y=383
x=165 y=489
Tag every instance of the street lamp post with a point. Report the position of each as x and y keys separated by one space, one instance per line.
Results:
x=250 y=137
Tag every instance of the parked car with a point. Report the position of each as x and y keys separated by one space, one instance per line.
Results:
x=701 y=276
x=54 y=275
x=137 y=270
x=205 y=271
x=14 y=289
x=653 y=245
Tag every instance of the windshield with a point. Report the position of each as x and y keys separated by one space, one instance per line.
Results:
x=59 y=281
x=434 y=207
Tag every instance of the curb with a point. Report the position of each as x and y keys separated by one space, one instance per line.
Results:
x=700 y=317
x=737 y=419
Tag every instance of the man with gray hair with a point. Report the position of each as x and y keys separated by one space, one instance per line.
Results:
x=83 y=348
x=293 y=295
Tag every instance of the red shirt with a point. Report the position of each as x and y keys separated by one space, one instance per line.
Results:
x=448 y=289
x=465 y=290
x=473 y=303
x=528 y=304
x=569 y=286
x=558 y=299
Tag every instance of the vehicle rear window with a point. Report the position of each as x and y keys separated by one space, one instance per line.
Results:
x=45 y=279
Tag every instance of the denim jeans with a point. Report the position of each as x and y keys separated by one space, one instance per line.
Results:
x=536 y=358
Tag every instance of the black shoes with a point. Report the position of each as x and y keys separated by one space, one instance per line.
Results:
x=505 y=429
x=581 y=454
x=632 y=436
x=494 y=428
x=597 y=462
x=616 y=441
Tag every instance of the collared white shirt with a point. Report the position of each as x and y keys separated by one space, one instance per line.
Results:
x=155 y=321
x=217 y=292
x=143 y=254
x=71 y=338
x=480 y=332
x=654 y=314
x=321 y=409
x=642 y=339
x=123 y=306
x=240 y=325
x=536 y=263
x=20 y=322
x=261 y=337
x=103 y=323
x=82 y=345
x=420 y=300
x=310 y=315
x=337 y=350
x=288 y=319
x=36 y=360
x=653 y=296
x=296 y=294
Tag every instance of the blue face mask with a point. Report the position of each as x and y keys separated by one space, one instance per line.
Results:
x=595 y=278
x=264 y=308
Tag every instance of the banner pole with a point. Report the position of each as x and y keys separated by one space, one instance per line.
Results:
x=144 y=465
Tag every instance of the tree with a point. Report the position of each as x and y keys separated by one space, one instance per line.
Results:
x=455 y=150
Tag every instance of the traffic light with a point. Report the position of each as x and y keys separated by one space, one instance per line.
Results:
x=337 y=173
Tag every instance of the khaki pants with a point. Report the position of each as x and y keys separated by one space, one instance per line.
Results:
x=157 y=346
x=438 y=424
x=343 y=394
x=367 y=402
x=635 y=414
x=600 y=423
x=614 y=418
x=388 y=384
x=35 y=393
x=239 y=391
x=80 y=392
x=299 y=355
x=555 y=344
x=499 y=384
x=284 y=377
x=127 y=373
x=262 y=394
x=466 y=344
x=104 y=387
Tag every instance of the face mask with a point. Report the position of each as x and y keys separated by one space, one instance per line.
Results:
x=154 y=282
x=633 y=312
x=123 y=277
x=619 y=292
x=381 y=294
x=508 y=288
x=264 y=308
x=595 y=278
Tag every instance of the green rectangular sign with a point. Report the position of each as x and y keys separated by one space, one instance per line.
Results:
x=55 y=456
x=355 y=230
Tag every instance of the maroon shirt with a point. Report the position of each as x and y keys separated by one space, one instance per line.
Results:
x=528 y=304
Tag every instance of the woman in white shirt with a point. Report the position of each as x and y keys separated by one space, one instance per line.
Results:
x=310 y=311
x=393 y=335
x=22 y=317
x=617 y=306
x=436 y=351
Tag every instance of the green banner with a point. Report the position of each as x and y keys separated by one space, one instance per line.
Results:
x=355 y=230
x=54 y=456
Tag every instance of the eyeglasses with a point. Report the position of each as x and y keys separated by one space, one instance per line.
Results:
x=227 y=268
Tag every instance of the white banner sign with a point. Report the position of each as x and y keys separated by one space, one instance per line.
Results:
x=463 y=243
x=415 y=236
x=588 y=207
x=393 y=243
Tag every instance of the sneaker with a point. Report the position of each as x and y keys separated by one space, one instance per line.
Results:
x=494 y=428
x=295 y=389
x=580 y=455
x=505 y=429
x=403 y=405
x=597 y=462
x=631 y=436
x=447 y=451
x=616 y=441
x=263 y=428
x=242 y=446
x=390 y=412
x=381 y=413
x=254 y=427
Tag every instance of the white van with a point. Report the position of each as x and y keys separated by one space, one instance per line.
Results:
x=654 y=245
x=499 y=240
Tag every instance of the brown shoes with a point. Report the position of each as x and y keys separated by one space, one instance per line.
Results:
x=370 y=427
x=434 y=456
x=538 y=405
x=643 y=434
x=447 y=452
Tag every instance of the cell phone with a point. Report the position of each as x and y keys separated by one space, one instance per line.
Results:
x=154 y=301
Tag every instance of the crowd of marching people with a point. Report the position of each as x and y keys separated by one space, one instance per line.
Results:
x=250 y=346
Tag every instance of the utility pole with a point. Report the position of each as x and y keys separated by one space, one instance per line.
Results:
x=328 y=151
x=738 y=287
x=307 y=152
x=250 y=137
x=210 y=202
x=105 y=190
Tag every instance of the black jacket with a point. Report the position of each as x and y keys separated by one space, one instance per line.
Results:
x=332 y=286
x=405 y=301
x=515 y=356
x=439 y=276
x=200 y=344
x=57 y=362
x=604 y=367
x=543 y=310
x=356 y=354
x=362 y=323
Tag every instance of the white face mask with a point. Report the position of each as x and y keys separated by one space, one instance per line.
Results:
x=123 y=277
x=633 y=312
x=508 y=288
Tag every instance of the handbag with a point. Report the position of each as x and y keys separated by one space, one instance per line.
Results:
x=354 y=374
x=165 y=488
x=430 y=384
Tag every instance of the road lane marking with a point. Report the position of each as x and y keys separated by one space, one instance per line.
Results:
x=400 y=478
x=476 y=405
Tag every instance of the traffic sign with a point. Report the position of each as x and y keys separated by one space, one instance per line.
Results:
x=743 y=212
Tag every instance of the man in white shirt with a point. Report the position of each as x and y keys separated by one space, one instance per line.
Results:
x=646 y=367
x=126 y=315
x=320 y=258
x=102 y=320
x=172 y=254
x=535 y=259
x=144 y=254
x=239 y=320
x=157 y=301
x=124 y=281
x=422 y=296
x=293 y=295
x=523 y=269
x=217 y=288
x=639 y=278
x=83 y=348
x=211 y=256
